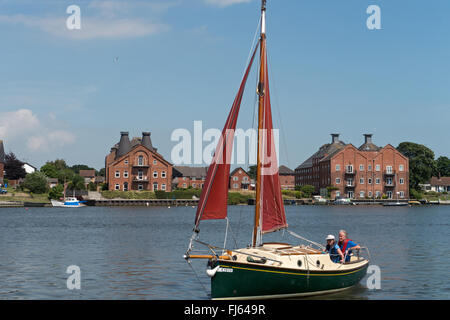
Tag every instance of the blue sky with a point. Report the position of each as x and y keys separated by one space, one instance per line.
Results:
x=160 y=65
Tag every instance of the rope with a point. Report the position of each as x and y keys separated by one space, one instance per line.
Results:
x=302 y=238
x=198 y=279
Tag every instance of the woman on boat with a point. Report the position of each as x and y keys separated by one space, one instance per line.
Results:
x=346 y=245
x=333 y=249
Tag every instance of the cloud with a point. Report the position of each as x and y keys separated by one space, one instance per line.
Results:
x=25 y=128
x=91 y=28
x=226 y=3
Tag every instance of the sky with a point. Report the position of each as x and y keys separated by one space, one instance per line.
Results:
x=159 y=66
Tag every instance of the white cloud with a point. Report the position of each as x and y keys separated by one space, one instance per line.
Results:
x=226 y=3
x=23 y=127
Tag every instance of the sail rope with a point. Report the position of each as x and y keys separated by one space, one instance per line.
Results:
x=198 y=278
x=304 y=239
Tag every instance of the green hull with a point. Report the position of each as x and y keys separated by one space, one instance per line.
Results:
x=239 y=281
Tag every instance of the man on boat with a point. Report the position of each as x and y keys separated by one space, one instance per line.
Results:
x=346 y=245
x=334 y=250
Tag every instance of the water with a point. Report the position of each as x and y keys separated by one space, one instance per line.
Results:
x=136 y=253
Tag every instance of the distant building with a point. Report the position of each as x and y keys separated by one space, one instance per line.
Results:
x=2 y=162
x=136 y=165
x=287 y=178
x=88 y=175
x=437 y=184
x=52 y=182
x=239 y=180
x=185 y=177
x=29 y=168
x=365 y=172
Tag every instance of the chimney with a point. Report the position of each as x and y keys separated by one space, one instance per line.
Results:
x=367 y=138
x=334 y=137
x=124 y=144
x=146 y=141
x=2 y=152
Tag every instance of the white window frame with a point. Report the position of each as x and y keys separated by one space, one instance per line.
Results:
x=117 y=174
x=377 y=167
x=155 y=186
x=163 y=187
x=125 y=174
x=155 y=174
x=163 y=174
x=117 y=186
x=361 y=167
x=140 y=187
x=338 y=180
x=338 y=167
x=401 y=167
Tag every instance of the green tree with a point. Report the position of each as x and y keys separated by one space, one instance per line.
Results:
x=252 y=171
x=13 y=167
x=443 y=166
x=36 y=182
x=77 y=167
x=76 y=183
x=50 y=170
x=421 y=162
x=307 y=190
x=56 y=192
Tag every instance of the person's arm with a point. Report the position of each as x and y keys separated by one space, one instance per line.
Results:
x=339 y=251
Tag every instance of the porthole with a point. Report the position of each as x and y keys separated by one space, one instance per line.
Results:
x=299 y=263
x=318 y=263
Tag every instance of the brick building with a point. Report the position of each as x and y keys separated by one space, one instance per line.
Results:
x=2 y=162
x=136 y=165
x=239 y=180
x=287 y=178
x=185 y=177
x=366 y=172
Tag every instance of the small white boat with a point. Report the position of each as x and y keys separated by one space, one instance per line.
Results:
x=69 y=202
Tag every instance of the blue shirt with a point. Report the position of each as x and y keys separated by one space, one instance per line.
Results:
x=334 y=255
x=350 y=244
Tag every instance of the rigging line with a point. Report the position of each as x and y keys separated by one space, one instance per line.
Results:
x=277 y=106
x=302 y=238
x=198 y=278
x=253 y=43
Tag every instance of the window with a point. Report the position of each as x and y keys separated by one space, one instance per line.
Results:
x=389 y=194
x=338 y=180
x=370 y=194
x=117 y=175
x=163 y=174
x=125 y=186
x=369 y=167
x=361 y=194
x=378 y=194
x=402 y=181
x=140 y=175
x=235 y=186
x=349 y=169
x=369 y=181
x=155 y=186
x=126 y=161
x=377 y=180
x=154 y=161
x=184 y=178
x=338 y=167
x=377 y=167
x=194 y=185
x=361 y=167
x=235 y=178
x=389 y=182
x=125 y=174
x=117 y=186
x=401 y=168
x=402 y=194
x=338 y=193
x=388 y=169
x=245 y=179
x=155 y=174
x=184 y=185
x=163 y=187
x=140 y=161
x=350 y=182
x=140 y=187
x=361 y=180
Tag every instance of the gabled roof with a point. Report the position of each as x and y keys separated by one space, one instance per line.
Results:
x=87 y=173
x=191 y=172
x=283 y=170
x=325 y=152
x=442 y=181
x=236 y=170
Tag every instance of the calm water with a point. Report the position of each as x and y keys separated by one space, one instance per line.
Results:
x=136 y=253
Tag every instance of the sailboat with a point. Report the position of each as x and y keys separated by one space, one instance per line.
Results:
x=263 y=270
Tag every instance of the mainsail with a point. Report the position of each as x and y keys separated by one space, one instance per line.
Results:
x=214 y=197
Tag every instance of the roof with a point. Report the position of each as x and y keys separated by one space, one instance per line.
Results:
x=192 y=172
x=87 y=173
x=442 y=181
x=325 y=152
x=236 y=170
x=285 y=171
x=2 y=152
x=369 y=146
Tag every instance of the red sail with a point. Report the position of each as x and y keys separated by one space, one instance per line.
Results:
x=214 y=197
x=273 y=215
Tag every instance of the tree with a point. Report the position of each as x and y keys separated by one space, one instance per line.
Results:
x=13 y=167
x=443 y=166
x=56 y=192
x=307 y=190
x=252 y=171
x=77 y=167
x=421 y=163
x=36 y=182
x=76 y=183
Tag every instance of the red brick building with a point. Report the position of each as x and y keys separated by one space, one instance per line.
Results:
x=239 y=180
x=367 y=172
x=185 y=177
x=2 y=162
x=287 y=178
x=136 y=165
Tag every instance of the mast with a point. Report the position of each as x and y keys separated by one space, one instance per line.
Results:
x=257 y=234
